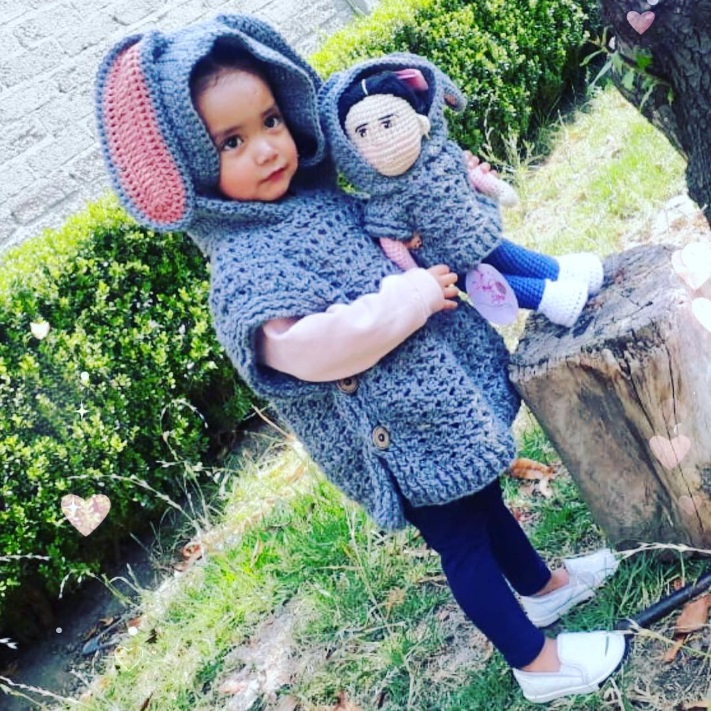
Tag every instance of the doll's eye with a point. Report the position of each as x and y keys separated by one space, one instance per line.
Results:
x=386 y=123
x=361 y=131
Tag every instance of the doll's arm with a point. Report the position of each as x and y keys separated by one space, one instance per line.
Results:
x=347 y=339
x=398 y=252
x=483 y=179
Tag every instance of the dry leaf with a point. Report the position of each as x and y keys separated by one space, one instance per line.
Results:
x=696 y=706
x=529 y=469
x=344 y=704
x=544 y=486
x=695 y=615
x=395 y=597
x=670 y=655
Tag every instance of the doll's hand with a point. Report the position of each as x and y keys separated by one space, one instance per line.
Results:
x=475 y=165
x=486 y=181
x=446 y=280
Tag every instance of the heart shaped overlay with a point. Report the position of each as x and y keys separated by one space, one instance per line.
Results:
x=640 y=23
x=670 y=452
x=693 y=264
x=39 y=329
x=701 y=308
x=689 y=504
x=85 y=514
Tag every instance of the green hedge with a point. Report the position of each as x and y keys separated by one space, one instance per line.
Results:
x=109 y=394
x=511 y=58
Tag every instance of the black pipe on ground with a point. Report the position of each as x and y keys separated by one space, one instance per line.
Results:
x=667 y=604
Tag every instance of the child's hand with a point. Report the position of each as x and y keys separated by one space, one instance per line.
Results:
x=446 y=280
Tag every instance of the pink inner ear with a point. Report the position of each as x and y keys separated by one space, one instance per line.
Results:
x=145 y=168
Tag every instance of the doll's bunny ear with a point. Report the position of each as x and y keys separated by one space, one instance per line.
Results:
x=145 y=170
x=452 y=96
x=414 y=78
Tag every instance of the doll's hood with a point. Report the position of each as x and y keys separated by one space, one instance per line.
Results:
x=441 y=92
x=161 y=160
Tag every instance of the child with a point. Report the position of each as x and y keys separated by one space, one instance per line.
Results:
x=384 y=119
x=403 y=403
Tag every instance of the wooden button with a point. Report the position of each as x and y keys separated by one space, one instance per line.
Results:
x=381 y=437
x=348 y=385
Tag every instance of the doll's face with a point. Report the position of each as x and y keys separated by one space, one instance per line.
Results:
x=387 y=132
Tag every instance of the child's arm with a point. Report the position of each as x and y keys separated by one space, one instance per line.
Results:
x=347 y=339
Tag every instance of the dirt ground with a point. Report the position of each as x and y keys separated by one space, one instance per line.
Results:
x=85 y=627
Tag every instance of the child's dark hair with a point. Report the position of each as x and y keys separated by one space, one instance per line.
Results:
x=381 y=83
x=224 y=57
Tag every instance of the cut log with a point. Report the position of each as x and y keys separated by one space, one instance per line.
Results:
x=625 y=396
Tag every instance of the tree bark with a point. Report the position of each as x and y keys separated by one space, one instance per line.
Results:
x=625 y=398
x=679 y=42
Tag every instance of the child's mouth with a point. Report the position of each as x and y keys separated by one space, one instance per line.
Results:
x=275 y=175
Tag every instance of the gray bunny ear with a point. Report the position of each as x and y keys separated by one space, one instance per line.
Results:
x=453 y=97
x=146 y=171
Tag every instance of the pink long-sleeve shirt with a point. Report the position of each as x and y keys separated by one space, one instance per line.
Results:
x=347 y=339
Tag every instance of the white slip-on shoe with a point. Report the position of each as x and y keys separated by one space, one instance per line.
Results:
x=586 y=660
x=586 y=573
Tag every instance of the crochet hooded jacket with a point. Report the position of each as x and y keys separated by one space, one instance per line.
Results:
x=431 y=420
x=457 y=226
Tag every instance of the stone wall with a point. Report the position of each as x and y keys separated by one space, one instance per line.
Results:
x=50 y=164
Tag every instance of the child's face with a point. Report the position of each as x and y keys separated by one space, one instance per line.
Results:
x=258 y=156
x=387 y=132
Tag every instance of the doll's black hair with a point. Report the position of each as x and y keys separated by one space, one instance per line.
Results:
x=381 y=83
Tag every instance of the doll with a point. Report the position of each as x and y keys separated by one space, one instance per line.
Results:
x=385 y=122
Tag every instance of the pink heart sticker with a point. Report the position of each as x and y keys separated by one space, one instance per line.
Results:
x=85 y=515
x=641 y=23
x=701 y=308
x=693 y=264
x=670 y=452
x=491 y=295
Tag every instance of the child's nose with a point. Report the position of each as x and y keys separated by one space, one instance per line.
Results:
x=265 y=150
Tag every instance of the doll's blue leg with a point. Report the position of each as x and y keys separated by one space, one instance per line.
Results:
x=529 y=292
x=510 y=258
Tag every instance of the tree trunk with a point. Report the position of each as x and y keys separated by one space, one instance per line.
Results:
x=678 y=40
x=625 y=398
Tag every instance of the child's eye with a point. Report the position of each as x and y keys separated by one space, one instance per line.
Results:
x=229 y=144
x=273 y=120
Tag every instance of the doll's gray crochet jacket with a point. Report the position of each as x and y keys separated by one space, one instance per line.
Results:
x=458 y=226
x=432 y=418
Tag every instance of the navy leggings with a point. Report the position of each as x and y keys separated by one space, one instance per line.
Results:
x=481 y=546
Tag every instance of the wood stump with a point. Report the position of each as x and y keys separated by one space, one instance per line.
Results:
x=625 y=398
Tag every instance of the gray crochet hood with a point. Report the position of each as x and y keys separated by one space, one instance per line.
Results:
x=442 y=92
x=163 y=165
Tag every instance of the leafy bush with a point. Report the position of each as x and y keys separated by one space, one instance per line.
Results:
x=511 y=58
x=106 y=399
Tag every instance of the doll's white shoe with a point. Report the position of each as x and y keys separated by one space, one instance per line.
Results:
x=586 y=660
x=583 y=266
x=586 y=572
x=563 y=301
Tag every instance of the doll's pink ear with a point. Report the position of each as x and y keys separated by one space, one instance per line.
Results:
x=145 y=173
x=413 y=78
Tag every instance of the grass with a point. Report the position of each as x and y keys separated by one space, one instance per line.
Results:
x=299 y=601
